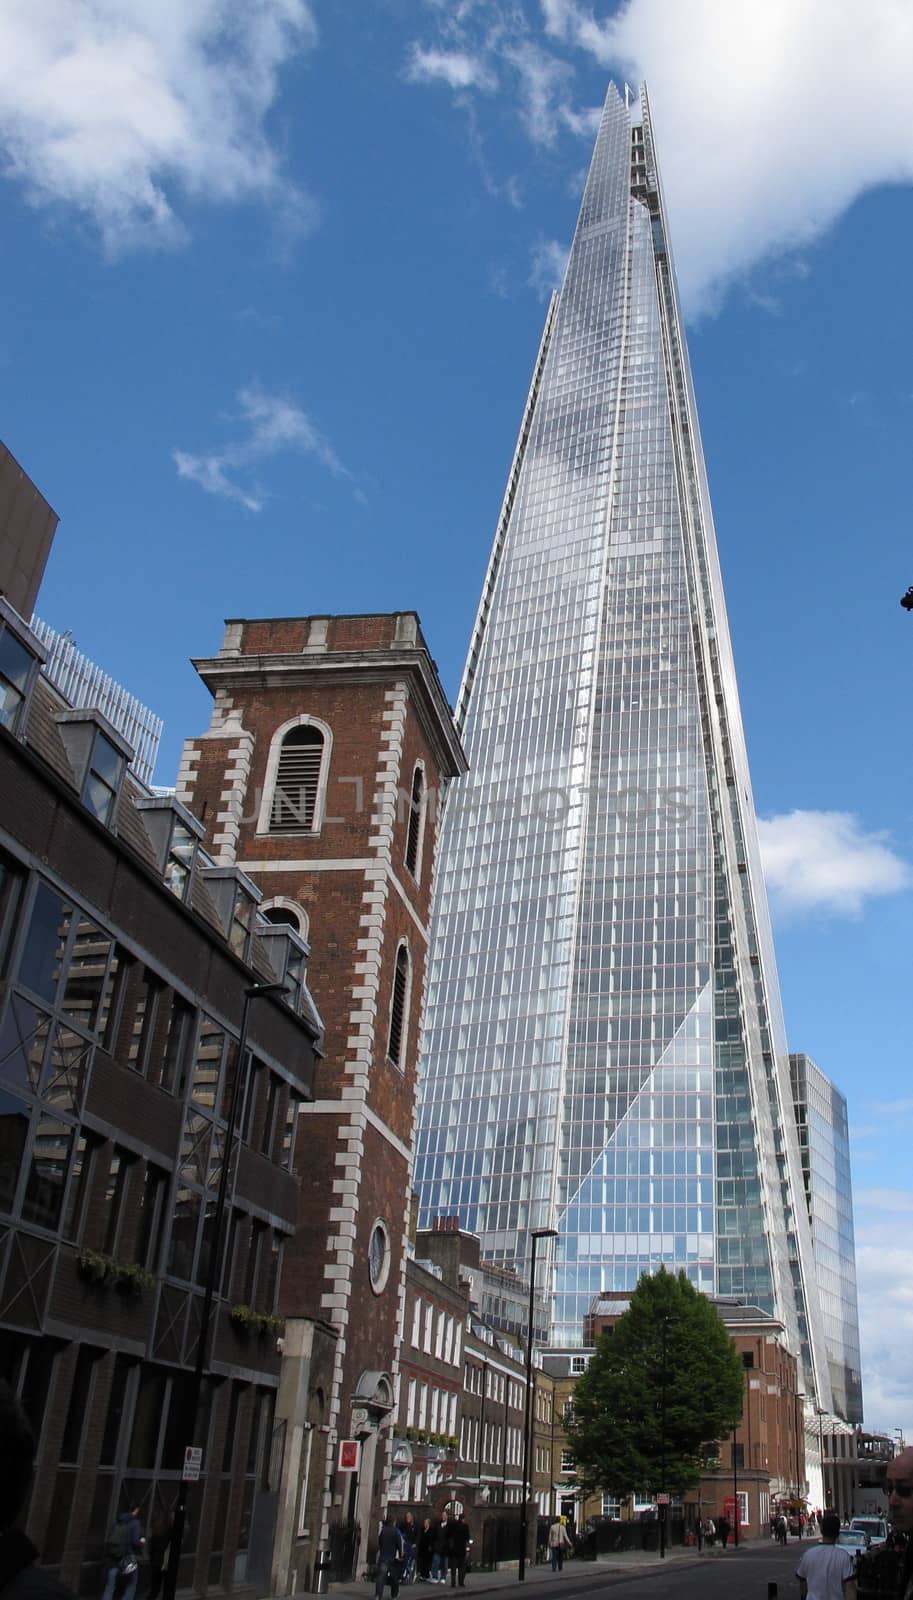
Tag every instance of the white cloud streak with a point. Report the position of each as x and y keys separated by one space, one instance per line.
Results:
x=825 y=861
x=456 y=68
x=274 y=425
x=125 y=109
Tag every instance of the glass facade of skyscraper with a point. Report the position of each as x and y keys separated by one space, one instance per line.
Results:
x=603 y=1048
x=824 y=1141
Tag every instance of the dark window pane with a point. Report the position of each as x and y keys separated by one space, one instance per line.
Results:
x=16 y=661
x=23 y=1037
x=80 y=1181
x=114 y=1418
x=35 y=1385
x=269 y=1123
x=147 y=1418
x=271 y=1276
x=184 y=1224
x=65 y=1070
x=115 y=1185
x=207 y=1064
x=257 y=1238
x=288 y=1133
x=99 y=798
x=174 y=1059
x=228 y=1078
x=49 y=924
x=52 y=1545
x=77 y=1410
x=231 y=1431
x=106 y=761
x=44 y=1188
x=143 y=1024
x=86 y=972
x=151 y=1218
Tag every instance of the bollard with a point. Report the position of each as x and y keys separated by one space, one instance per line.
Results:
x=771 y=1591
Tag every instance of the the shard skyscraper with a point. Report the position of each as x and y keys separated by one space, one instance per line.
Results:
x=604 y=1048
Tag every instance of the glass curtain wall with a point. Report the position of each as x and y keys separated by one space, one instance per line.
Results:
x=603 y=1049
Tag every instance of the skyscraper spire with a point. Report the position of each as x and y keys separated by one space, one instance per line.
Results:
x=604 y=1048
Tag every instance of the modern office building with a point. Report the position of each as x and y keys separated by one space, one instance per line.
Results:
x=604 y=1049
x=84 y=683
x=824 y=1142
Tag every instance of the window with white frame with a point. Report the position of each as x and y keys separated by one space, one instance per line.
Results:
x=611 y=1507
x=743 y=1508
x=416 y=1322
x=439 y=1335
x=422 y=1405
x=429 y=1320
x=579 y=1364
x=296 y=777
x=410 y=1404
x=568 y=1463
x=399 y=1007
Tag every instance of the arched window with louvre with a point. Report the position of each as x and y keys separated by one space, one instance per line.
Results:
x=416 y=829
x=296 y=776
x=399 y=1008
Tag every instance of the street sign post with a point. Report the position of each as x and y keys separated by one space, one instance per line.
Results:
x=193 y=1460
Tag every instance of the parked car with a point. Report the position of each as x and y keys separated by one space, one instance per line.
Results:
x=854 y=1540
x=875 y=1527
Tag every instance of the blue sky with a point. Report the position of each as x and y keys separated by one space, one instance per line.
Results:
x=273 y=278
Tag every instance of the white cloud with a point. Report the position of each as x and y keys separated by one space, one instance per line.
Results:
x=453 y=67
x=763 y=114
x=274 y=424
x=548 y=262
x=771 y=118
x=122 y=109
x=824 y=860
x=884 y=1268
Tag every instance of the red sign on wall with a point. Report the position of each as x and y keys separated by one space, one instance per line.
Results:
x=349 y=1453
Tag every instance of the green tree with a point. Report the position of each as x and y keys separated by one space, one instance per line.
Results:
x=665 y=1380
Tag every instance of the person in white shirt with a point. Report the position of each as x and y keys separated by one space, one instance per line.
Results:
x=826 y=1570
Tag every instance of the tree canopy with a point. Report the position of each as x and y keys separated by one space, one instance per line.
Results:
x=666 y=1380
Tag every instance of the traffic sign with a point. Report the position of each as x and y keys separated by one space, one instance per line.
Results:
x=664 y=1499
x=193 y=1460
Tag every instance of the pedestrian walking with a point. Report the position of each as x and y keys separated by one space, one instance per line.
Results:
x=722 y=1530
x=159 y=1543
x=826 y=1570
x=424 y=1549
x=559 y=1540
x=389 y=1559
x=122 y=1555
x=440 y=1547
x=782 y=1530
x=457 y=1550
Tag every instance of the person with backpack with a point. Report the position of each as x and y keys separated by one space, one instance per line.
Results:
x=390 y=1549
x=122 y=1554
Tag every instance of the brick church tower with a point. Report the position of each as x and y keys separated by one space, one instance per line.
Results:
x=319 y=777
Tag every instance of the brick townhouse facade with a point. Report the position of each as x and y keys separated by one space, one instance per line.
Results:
x=320 y=775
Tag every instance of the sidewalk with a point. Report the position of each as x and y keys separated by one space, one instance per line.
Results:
x=479 y=1582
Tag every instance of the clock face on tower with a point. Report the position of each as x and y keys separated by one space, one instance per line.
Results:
x=378 y=1256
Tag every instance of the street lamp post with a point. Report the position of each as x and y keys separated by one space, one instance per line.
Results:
x=535 y=1236
x=735 y=1493
x=209 y=1288
x=819 y=1414
x=662 y=1447
x=797 y=1397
